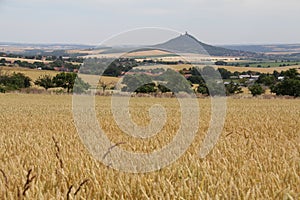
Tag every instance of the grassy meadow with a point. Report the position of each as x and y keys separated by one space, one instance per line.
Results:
x=42 y=156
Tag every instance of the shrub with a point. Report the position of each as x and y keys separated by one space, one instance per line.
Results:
x=15 y=81
x=256 y=89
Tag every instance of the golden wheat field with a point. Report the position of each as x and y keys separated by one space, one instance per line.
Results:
x=42 y=156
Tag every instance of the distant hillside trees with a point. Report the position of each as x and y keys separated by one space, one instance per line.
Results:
x=221 y=63
x=57 y=63
x=108 y=66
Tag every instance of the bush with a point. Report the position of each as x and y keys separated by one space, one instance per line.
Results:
x=15 y=81
x=256 y=89
x=147 y=88
x=163 y=89
x=2 y=89
x=266 y=79
x=45 y=81
x=289 y=87
x=221 y=63
x=202 y=89
x=233 y=88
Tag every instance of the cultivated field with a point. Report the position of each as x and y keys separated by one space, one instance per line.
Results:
x=31 y=73
x=23 y=60
x=261 y=70
x=243 y=69
x=42 y=156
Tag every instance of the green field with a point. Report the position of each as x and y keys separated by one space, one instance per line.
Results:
x=271 y=64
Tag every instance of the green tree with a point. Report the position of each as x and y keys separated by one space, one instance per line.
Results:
x=45 y=81
x=211 y=88
x=202 y=89
x=80 y=86
x=67 y=81
x=266 y=79
x=256 y=89
x=276 y=74
x=147 y=88
x=15 y=81
x=291 y=74
x=289 y=87
x=2 y=61
x=20 y=80
x=225 y=74
x=163 y=88
x=175 y=81
x=194 y=79
x=2 y=89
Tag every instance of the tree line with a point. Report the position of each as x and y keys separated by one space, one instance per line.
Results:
x=207 y=82
x=15 y=81
x=69 y=81
x=63 y=64
x=168 y=81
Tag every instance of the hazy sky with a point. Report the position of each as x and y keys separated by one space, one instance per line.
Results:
x=92 y=21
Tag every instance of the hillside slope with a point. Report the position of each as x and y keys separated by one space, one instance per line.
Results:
x=189 y=44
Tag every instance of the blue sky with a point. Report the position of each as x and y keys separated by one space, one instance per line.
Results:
x=92 y=21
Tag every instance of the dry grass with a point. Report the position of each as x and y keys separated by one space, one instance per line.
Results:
x=257 y=156
x=94 y=79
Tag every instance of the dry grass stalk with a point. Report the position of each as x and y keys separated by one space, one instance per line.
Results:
x=69 y=192
x=5 y=178
x=80 y=186
x=57 y=154
x=28 y=182
x=111 y=148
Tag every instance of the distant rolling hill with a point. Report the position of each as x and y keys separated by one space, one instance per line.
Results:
x=189 y=44
x=186 y=44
